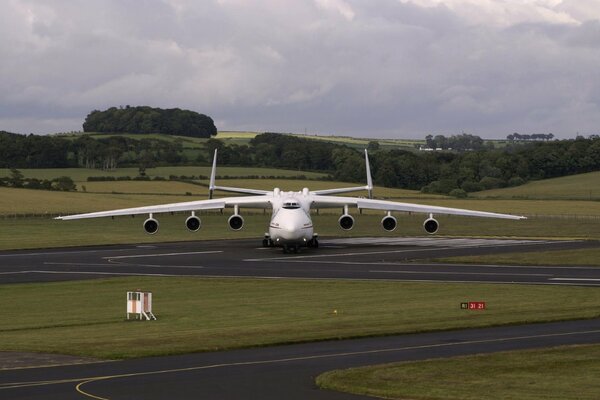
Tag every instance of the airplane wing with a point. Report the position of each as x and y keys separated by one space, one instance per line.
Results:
x=214 y=204
x=384 y=205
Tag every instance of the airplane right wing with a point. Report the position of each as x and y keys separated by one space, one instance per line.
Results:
x=385 y=205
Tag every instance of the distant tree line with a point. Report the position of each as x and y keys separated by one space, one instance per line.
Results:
x=17 y=180
x=447 y=172
x=535 y=136
x=33 y=151
x=172 y=121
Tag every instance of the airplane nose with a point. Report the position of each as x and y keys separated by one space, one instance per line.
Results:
x=290 y=230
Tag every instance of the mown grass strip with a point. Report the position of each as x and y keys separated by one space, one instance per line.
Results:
x=581 y=257
x=569 y=372
x=196 y=314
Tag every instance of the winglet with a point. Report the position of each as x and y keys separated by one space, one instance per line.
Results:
x=369 y=180
x=211 y=185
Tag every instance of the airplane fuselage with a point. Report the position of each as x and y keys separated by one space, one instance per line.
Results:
x=290 y=223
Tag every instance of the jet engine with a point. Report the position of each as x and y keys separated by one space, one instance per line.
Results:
x=389 y=223
x=193 y=223
x=151 y=226
x=346 y=222
x=431 y=225
x=236 y=222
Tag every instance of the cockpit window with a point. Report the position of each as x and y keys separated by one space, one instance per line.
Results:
x=290 y=205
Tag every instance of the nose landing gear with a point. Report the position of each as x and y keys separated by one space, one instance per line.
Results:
x=290 y=249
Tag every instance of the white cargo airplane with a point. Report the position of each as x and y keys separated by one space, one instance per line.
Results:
x=291 y=226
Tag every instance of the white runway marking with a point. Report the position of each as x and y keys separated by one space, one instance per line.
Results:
x=95 y=273
x=575 y=279
x=457 y=273
x=163 y=254
x=50 y=253
x=425 y=241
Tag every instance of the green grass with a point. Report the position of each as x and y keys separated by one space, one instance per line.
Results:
x=196 y=314
x=579 y=187
x=561 y=373
x=589 y=257
x=143 y=187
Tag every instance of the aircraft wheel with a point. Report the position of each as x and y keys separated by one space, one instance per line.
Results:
x=266 y=243
x=315 y=243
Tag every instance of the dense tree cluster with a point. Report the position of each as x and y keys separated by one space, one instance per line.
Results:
x=462 y=142
x=173 y=121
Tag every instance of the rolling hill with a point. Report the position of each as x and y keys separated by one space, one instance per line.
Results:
x=572 y=187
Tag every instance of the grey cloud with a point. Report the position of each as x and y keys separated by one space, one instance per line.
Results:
x=394 y=69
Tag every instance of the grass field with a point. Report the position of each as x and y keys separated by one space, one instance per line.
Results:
x=142 y=187
x=563 y=257
x=560 y=373
x=577 y=187
x=195 y=314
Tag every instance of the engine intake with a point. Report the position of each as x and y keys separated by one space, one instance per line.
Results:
x=389 y=223
x=151 y=226
x=431 y=225
x=346 y=222
x=193 y=223
x=236 y=222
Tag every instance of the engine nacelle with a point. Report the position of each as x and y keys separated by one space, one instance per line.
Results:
x=236 y=222
x=151 y=226
x=389 y=223
x=431 y=225
x=346 y=222
x=193 y=223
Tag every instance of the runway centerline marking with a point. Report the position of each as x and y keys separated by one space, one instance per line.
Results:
x=163 y=254
x=84 y=381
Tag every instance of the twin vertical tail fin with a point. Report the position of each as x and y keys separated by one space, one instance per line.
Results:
x=213 y=171
x=369 y=180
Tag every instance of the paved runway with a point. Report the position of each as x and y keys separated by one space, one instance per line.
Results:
x=280 y=372
x=352 y=258
x=285 y=371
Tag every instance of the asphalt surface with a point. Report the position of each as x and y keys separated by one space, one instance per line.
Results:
x=353 y=258
x=285 y=371
x=280 y=372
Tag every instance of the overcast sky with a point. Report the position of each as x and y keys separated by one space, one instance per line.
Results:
x=365 y=68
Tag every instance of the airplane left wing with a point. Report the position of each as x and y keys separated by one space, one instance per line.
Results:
x=214 y=204
x=384 y=205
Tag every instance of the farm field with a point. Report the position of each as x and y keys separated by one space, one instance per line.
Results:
x=81 y=174
x=566 y=372
x=41 y=318
x=576 y=187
